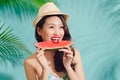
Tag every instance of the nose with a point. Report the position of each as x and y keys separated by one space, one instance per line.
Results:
x=56 y=32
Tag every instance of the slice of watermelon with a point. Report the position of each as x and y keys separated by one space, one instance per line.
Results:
x=52 y=45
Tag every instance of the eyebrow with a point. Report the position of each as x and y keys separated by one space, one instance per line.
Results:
x=54 y=24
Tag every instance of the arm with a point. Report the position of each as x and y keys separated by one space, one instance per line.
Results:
x=45 y=74
x=29 y=70
x=44 y=64
x=33 y=69
x=78 y=73
x=71 y=73
x=78 y=67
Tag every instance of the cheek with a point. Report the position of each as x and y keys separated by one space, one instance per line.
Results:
x=47 y=35
x=62 y=32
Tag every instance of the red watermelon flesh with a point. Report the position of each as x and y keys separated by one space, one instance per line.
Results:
x=52 y=45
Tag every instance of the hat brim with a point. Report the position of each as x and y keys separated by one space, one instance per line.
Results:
x=66 y=16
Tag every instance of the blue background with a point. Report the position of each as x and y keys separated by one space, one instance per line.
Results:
x=95 y=29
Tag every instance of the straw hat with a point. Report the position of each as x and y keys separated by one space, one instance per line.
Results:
x=48 y=9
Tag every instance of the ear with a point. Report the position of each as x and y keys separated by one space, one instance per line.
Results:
x=38 y=30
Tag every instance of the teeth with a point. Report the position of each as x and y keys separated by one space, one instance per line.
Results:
x=55 y=39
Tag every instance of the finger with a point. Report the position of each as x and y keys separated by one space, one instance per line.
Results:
x=64 y=56
x=69 y=55
x=39 y=50
x=40 y=53
x=67 y=47
x=66 y=51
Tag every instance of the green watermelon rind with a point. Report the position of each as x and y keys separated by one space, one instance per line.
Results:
x=70 y=43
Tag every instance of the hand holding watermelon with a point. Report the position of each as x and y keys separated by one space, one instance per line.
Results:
x=67 y=57
x=41 y=58
x=61 y=45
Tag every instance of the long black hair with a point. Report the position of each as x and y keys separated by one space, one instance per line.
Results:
x=58 y=58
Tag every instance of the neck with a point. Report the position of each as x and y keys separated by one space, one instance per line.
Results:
x=50 y=57
x=49 y=53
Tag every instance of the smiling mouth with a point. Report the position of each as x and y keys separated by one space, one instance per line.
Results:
x=55 y=39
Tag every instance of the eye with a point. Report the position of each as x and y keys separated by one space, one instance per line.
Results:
x=62 y=27
x=51 y=27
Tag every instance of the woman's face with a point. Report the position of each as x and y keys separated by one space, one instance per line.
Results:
x=52 y=29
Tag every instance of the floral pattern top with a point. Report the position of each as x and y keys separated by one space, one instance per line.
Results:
x=52 y=76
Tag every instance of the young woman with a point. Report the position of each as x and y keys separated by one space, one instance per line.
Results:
x=61 y=64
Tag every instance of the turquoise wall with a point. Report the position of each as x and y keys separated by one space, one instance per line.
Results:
x=95 y=29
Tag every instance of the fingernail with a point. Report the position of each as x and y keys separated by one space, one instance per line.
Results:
x=60 y=50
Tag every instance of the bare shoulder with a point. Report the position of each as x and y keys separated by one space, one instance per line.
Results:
x=77 y=56
x=32 y=64
x=79 y=66
x=31 y=61
x=77 y=52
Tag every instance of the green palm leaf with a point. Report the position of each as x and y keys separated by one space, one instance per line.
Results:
x=23 y=9
x=11 y=47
